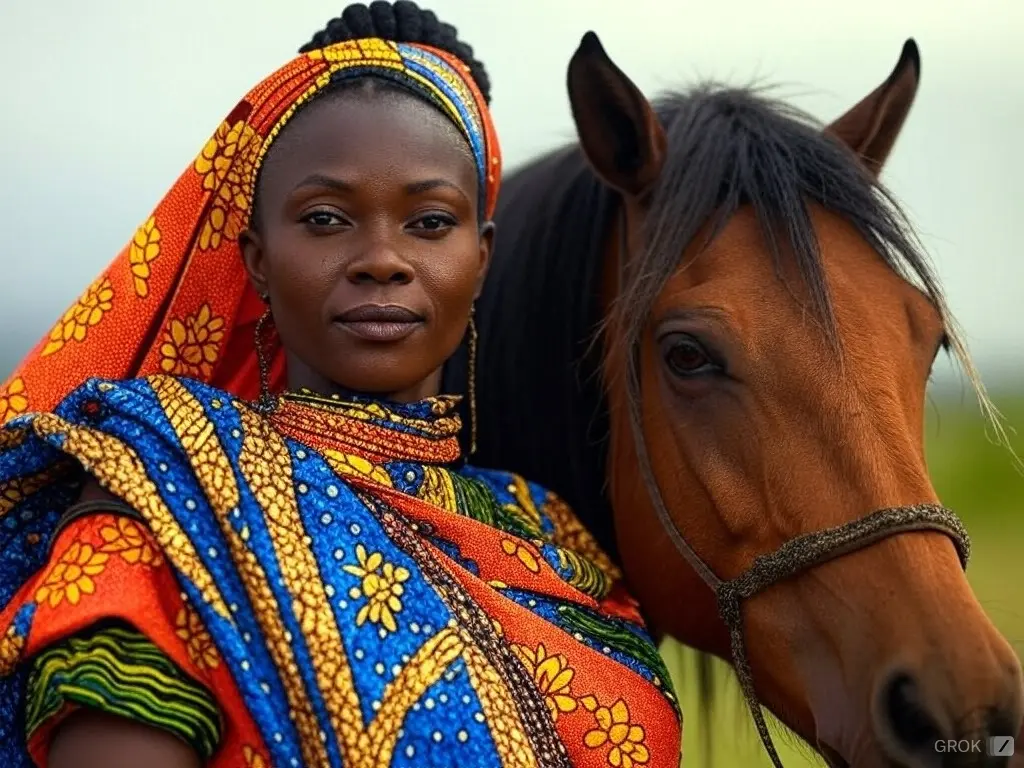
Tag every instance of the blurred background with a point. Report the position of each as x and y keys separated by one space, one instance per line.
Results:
x=105 y=103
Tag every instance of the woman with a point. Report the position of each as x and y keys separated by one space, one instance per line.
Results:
x=251 y=554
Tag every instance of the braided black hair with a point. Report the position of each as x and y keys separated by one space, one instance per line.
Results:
x=401 y=22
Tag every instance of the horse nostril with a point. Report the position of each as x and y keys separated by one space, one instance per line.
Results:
x=921 y=720
x=906 y=716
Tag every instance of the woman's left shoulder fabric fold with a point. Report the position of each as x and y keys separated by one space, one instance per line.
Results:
x=102 y=419
x=161 y=445
x=105 y=405
x=42 y=455
x=142 y=440
x=125 y=434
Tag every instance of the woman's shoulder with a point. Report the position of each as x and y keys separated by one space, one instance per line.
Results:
x=98 y=395
x=160 y=386
x=110 y=422
x=146 y=401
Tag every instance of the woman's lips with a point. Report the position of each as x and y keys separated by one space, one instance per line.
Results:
x=380 y=322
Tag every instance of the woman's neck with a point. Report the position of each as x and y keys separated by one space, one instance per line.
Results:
x=302 y=377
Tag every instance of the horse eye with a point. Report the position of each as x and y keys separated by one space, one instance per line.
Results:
x=685 y=356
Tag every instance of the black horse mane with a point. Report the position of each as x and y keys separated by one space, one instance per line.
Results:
x=540 y=406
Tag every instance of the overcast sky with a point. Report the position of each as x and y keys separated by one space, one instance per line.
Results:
x=106 y=101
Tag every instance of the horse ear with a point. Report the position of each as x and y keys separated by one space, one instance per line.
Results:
x=871 y=127
x=618 y=130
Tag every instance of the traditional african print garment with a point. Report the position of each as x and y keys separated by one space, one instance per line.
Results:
x=325 y=586
x=299 y=599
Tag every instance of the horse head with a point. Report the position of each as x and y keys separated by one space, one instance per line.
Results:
x=769 y=332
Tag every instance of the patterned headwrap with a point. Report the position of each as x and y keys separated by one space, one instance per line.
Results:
x=177 y=299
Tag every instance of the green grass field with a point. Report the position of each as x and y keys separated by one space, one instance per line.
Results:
x=974 y=477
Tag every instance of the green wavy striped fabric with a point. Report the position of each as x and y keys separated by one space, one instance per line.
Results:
x=118 y=671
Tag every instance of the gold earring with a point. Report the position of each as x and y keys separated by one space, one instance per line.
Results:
x=472 y=380
x=266 y=403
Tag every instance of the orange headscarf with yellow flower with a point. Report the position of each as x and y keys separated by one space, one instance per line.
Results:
x=176 y=299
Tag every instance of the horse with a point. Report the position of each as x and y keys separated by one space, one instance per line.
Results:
x=709 y=327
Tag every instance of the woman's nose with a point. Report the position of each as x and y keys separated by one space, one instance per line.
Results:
x=380 y=264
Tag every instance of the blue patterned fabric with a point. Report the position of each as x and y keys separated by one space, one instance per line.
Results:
x=322 y=601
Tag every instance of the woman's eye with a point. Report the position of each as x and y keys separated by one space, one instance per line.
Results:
x=685 y=356
x=434 y=222
x=323 y=219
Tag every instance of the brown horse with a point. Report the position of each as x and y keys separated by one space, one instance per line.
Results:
x=709 y=328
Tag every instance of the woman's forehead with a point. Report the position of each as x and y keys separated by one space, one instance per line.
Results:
x=389 y=132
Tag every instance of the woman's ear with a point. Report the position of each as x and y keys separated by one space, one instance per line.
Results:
x=251 y=245
x=486 y=249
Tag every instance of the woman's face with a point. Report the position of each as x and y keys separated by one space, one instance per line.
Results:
x=367 y=243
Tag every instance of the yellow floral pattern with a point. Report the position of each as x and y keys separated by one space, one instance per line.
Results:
x=227 y=163
x=72 y=576
x=84 y=314
x=615 y=728
x=188 y=627
x=553 y=676
x=13 y=400
x=143 y=251
x=381 y=585
x=191 y=346
x=253 y=759
x=526 y=557
x=126 y=538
